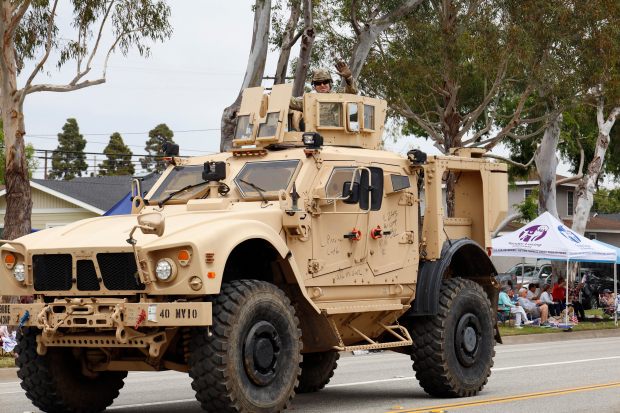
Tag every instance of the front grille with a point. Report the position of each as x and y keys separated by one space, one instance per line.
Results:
x=87 y=276
x=52 y=272
x=119 y=271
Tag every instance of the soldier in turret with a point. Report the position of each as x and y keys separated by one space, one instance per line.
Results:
x=322 y=82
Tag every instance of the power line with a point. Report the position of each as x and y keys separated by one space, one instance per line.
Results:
x=124 y=133
x=48 y=137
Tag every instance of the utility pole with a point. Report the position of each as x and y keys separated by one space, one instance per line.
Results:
x=45 y=169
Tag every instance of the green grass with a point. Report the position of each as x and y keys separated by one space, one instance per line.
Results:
x=7 y=361
x=603 y=324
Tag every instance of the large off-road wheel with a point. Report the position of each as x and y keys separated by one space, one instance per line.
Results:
x=453 y=351
x=316 y=370
x=55 y=382
x=251 y=361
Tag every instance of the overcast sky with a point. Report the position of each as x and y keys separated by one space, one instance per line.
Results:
x=186 y=83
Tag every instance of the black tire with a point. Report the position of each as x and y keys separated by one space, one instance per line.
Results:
x=316 y=371
x=453 y=351
x=251 y=362
x=55 y=383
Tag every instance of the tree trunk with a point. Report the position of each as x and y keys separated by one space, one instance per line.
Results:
x=254 y=71
x=365 y=41
x=370 y=31
x=587 y=185
x=288 y=40
x=18 y=196
x=546 y=164
x=307 y=41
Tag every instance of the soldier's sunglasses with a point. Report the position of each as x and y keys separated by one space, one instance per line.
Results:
x=321 y=82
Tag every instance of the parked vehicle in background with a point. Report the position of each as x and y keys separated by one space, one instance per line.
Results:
x=514 y=273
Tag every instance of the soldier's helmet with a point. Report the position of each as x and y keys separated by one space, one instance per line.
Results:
x=321 y=74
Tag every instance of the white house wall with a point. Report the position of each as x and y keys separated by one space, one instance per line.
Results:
x=48 y=210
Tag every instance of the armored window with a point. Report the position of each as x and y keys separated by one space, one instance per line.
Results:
x=353 y=123
x=337 y=180
x=369 y=117
x=243 y=130
x=265 y=177
x=399 y=182
x=270 y=126
x=180 y=177
x=330 y=114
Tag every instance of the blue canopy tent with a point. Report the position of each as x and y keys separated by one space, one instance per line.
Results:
x=121 y=207
x=613 y=247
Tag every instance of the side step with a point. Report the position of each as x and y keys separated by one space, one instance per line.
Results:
x=402 y=338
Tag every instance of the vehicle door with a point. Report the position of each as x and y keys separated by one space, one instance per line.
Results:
x=391 y=227
x=340 y=225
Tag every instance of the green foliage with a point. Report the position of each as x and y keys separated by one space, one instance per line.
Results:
x=607 y=201
x=119 y=157
x=529 y=207
x=68 y=160
x=31 y=160
x=134 y=23
x=153 y=148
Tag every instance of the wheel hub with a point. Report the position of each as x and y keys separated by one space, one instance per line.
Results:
x=467 y=339
x=261 y=350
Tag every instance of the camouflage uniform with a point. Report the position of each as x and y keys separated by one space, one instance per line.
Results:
x=297 y=103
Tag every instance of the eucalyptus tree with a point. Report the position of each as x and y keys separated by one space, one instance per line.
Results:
x=32 y=39
x=599 y=64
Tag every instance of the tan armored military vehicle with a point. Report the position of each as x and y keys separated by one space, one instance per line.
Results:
x=252 y=269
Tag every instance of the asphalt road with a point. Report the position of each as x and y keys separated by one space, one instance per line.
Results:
x=567 y=376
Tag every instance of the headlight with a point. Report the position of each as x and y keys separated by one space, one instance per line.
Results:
x=19 y=272
x=165 y=269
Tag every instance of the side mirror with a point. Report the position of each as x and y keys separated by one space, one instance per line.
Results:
x=152 y=223
x=351 y=194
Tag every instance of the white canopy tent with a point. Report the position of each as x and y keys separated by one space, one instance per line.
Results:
x=546 y=237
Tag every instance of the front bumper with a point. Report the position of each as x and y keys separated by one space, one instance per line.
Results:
x=81 y=322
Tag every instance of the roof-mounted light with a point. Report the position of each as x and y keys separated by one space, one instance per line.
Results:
x=312 y=140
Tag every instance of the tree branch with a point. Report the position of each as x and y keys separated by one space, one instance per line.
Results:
x=473 y=116
x=63 y=88
x=48 y=48
x=96 y=46
x=16 y=18
x=354 y=22
x=510 y=161
x=405 y=8
x=404 y=110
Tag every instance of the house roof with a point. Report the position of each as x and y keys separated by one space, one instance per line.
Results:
x=97 y=194
x=534 y=179
x=596 y=223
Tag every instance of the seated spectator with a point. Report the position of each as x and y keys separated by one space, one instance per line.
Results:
x=547 y=298
x=507 y=307
x=536 y=309
x=608 y=303
x=574 y=297
x=532 y=292
x=559 y=294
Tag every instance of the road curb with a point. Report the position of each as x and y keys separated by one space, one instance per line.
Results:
x=567 y=335
x=8 y=373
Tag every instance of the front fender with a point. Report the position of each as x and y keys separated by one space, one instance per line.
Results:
x=218 y=238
